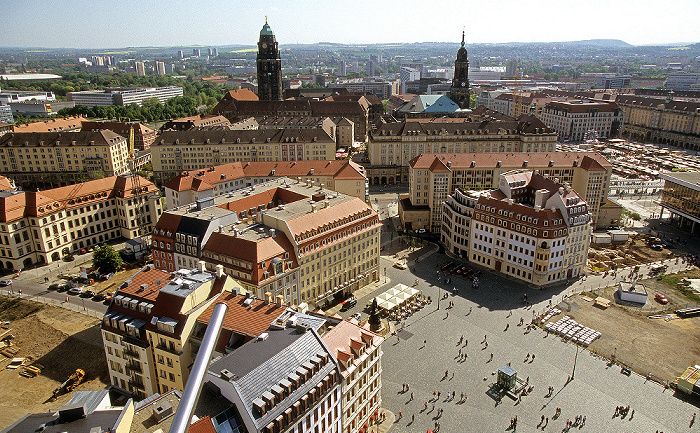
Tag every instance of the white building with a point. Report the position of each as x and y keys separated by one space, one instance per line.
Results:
x=531 y=228
x=123 y=95
x=682 y=81
x=573 y=119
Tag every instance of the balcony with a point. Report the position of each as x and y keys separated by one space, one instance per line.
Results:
x=172 y=350
x=131 y=353
x=137 y=384
x=133 y=367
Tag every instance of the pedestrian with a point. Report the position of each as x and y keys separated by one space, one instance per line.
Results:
x=692 y=420
x=400 y=415
x=484 y=339
x=425 y=342
x=533 y=358
x=67 y=298
x=413 y=417
x=507 y=325
x=425 y=406
x=491 y=358
x=411 y=399
x=487 y=345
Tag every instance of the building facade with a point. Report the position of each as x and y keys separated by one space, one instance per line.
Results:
x=681 y=197
x=123 y=95
x=177 y=151
x=343 y=176
x=269 y=66
x=143 y=135
x=530 y=228
x=656 y=120
x=286 y=237
x=433 y=177
x=146 y=329
x=43 y=227
x=573 y=120
x=359 y=356
x=393 y=145
x=61 y=158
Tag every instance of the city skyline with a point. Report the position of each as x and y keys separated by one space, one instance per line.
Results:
x=131 y=24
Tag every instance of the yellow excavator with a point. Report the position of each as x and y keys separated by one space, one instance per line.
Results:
x=70 y=383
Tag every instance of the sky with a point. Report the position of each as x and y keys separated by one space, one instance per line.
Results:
x=115 y=24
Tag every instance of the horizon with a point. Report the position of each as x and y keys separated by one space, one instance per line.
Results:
x=127 y=23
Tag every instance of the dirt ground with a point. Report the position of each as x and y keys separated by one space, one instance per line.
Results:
x=633 y=252
x=662 y=347
x=58 y=339
x=113 y=283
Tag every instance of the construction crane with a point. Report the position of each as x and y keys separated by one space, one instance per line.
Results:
x=70 y=383
x=139 y=217
x=517 y=94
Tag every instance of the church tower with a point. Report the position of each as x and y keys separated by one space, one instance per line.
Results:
x=459 y=91
x=269 y=66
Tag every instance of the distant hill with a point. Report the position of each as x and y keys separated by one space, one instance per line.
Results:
x=602 y=43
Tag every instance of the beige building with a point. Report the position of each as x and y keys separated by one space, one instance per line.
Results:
x=61 y=158
x=530 y=228
x=146 y=329
x=43 y=227
x=291 y=238
x=343 y=176
x=177 y=151
x=573 y=120
x=394 y=145
x=655 y=120
x=433 y=177
x=359 y=356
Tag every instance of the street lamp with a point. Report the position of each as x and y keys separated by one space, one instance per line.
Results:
x=575 y=357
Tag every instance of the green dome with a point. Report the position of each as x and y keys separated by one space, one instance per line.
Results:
x=266 y=30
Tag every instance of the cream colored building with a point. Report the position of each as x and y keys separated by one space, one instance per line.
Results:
x=530 y=228
x=177 y=151
x=343 y=176
x=43 y=227
x=359 y=355
x=291 y=238
x=393 y=145
x=654 y=120
x=146 y=329
x=574 y=119
x=62 y=157
x=433 y=177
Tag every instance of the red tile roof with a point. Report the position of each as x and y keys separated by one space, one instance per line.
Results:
x=513 y=159
x=52 y=125
x=347 y=337
x=203 y=425
x=250 y=321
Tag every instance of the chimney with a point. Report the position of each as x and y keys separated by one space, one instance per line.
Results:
x=272 y=233
x=202 y=266
x=449 y=164
x=268 y=297
x=219 y=271
x=280 y=299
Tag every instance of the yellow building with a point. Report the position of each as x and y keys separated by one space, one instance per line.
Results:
x=433 y=177
x=61 y=158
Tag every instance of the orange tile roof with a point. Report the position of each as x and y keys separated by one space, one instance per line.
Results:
x=146 y=276
x=251 y=321
x=347 y=337
x=51 y=125
x=311 y=221
x=6 y=184
x=203 y=425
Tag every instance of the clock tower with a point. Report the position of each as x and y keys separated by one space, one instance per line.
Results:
x=269 y=66
x=459 y=91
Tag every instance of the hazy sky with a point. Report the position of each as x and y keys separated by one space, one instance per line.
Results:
x=102 y=24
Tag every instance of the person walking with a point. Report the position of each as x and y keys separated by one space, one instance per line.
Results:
x=692 y=420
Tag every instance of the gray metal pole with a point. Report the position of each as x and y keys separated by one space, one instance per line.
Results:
x=181 y=421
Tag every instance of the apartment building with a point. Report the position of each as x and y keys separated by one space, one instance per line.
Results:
x=123 y=95
x=196 y=122
x=531 y=228
x=657 y=120
x=433 y=177
x=146 y=328
x=572 y=120
x=42 y=227
x=286 y=237
x=393 y=145
x=343 y=176
x=359 y=355
x=62 y=158
x=284 y=380
x=143 y=135
x=178 y=151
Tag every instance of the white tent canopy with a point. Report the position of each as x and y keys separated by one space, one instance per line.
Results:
x=396 y=296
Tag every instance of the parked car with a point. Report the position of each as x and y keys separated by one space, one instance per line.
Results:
x=108 y=297
x=5 y=282
x=400 y=265
x=87 y=294
x=68 y=258
x=420 y=231
x=656 y=247
x=54 y=286
x=62 y=287
x=99 y=297
x=357 y=316
x=348 y=304
x=661 y=299
x=75 y=290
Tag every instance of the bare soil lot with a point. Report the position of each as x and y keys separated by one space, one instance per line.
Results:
x=58 y=339
x=663 y=347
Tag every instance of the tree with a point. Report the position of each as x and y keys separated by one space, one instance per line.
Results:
x=106 y=259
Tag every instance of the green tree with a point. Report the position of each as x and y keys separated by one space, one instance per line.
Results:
x=106 y=259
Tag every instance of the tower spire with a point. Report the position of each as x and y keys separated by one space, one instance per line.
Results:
x=462 y=36
x=266 y=22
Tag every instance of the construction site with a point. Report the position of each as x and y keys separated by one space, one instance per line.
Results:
x=636 y=250
x=46 y=353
